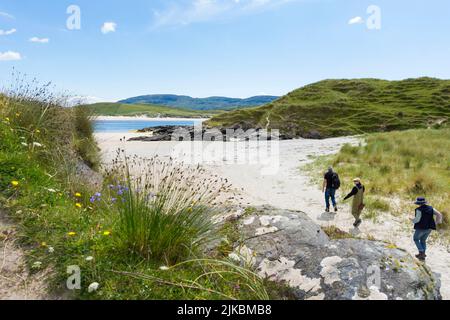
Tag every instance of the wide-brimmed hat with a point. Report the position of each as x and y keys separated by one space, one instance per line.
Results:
x=421 y=200
x=357 y=180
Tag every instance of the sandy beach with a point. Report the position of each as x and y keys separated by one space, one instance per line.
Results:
x=290 y=187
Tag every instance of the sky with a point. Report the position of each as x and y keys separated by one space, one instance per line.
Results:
x=116 y=49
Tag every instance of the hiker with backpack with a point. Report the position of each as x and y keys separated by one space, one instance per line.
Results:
x=358 y=201
x=424 y=223
x=331 y=183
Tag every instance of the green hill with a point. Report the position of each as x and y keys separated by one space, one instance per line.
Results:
x=211 y=103
x=119 y=109
x=347 y=107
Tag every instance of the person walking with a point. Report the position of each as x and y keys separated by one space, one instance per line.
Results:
x=424 y=223
x=358 y=201
x=331 y=183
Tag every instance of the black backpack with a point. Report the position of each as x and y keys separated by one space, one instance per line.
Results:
x=335 y=181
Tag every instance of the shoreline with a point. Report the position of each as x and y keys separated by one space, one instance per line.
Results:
x=145 y=118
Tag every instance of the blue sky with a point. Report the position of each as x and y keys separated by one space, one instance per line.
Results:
x=233 y=48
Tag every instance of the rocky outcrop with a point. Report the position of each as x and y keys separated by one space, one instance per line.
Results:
x=187 y=133
x=288 y=247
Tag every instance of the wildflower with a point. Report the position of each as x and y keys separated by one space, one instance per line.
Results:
x=107 y=233
x=78 y=195
x=51 y=249
x=71 y=234
x=51 y=190
x=44 y=244
x=78 y=205
x=163 y=268
x=37 y=144
x=38 y=131
x=15 y=183
x=24 y=144
x=7 y=119
x=113 y=200
x=93 y=287
x=90 y=258
x=234 y=257
x=18 y=114
x=36 y=265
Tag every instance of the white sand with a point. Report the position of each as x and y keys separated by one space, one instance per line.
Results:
x=291 y=188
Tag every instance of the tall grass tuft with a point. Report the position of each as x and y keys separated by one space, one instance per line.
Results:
x=165 y=209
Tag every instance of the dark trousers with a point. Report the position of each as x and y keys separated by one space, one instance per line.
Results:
x=330 y=193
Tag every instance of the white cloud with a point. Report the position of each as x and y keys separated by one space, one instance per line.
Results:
x=39 y=40
x=193 y=11
x=7 y=32
x=10 y=56
x=109 y=27
x=6 y=15
x=356 y=20
x=81 y=100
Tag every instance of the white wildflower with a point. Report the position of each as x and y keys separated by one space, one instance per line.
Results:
x=24 y=144
x=51 y=249
x=37 y=144
x=93 y=287
x=233 y=256
x=51 y=190
x=164 y=268
x=36 y=265
x=90 y=258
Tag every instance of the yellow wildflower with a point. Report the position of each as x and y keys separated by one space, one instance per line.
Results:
x=15 y=183
x=107 y=233
x=71 y=234
x=38 y=131
x=7 y=119
x=78 y=195
x=44 y=244
x=78 y=205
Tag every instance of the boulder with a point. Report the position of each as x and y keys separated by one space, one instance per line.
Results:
x=289 y=248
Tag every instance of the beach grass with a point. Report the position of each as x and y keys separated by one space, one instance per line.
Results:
x=400 y=165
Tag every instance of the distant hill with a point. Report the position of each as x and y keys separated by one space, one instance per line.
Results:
x=332 y=108
x=212 y=103
x=119 y=109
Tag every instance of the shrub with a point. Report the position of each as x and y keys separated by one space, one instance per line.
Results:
x=166 y=212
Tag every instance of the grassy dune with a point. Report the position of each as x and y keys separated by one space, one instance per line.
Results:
x=348 y=107
x=118 y=109
x=129 y=241
x=402 y=165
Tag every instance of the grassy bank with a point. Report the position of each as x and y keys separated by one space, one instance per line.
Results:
x=131 y=238
x=119 y=109
x=397 y=165
x=332 y=108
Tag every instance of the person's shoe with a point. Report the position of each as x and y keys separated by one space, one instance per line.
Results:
x=421 y=256
x=327 y=210
x=336 y=209
x=357 y=223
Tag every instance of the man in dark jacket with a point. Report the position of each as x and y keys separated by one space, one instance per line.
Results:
x=424 y=223
x=330 y=184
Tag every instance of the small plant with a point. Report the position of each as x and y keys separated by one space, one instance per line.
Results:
x=166 y=212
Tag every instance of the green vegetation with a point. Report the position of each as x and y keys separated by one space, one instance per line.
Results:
x=118 y=109
x=333 y=108
x=398 y=165
x=142 y=238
